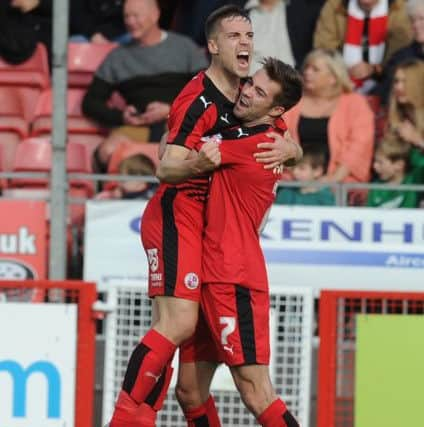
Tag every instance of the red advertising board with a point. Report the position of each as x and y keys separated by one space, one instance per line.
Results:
x=22 y=239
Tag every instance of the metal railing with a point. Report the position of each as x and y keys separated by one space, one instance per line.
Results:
x=341 y=190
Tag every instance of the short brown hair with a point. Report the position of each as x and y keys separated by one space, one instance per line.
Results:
x=395 y=150
x=228 y=11
x=137 y=164
x=315 y=156
x=288 y=78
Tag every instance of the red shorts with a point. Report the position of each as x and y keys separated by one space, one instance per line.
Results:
x=171 y=233
x=238 y=321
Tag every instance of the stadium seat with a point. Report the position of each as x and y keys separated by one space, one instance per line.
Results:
x=32 y=155
x=12 y=115
x=77 y=123
x=8 y=143
x=32 y=73
x=35 y=155
x=83 y=61
x=29 y=78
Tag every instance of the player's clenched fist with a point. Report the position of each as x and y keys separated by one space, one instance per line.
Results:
x=209 y=156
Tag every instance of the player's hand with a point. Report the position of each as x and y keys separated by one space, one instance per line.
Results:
x=155 y=112
x=131 y=117
x=279 y=152
x=209 y=157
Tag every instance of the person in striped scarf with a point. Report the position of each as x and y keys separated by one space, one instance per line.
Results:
x=367 y=32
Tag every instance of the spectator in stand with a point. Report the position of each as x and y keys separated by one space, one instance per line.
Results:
x=148 y=73
x=190 y=16
x=311 y=168
x=333 y=118
x=283 y=29
x=406 y=109
x=368 y=32
x=135 y=165
x=23 y=24
x=97 y=21
x=392 y=165
x=415 y=50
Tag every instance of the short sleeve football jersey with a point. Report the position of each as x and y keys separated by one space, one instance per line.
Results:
x=241 y=192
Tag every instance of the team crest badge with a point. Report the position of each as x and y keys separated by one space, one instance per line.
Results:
x=191 y=281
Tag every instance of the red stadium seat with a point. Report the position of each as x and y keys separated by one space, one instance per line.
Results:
x=77 y=123
x=35 y=155
x=8 y=143
x=32 y=155
x=12 y=114
x=32 y=73
x=83 y=61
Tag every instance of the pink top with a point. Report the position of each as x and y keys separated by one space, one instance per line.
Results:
x=350 y=135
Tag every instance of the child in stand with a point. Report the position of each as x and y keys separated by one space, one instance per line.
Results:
x=311 y=168
x=392 y=165
x=138 y=165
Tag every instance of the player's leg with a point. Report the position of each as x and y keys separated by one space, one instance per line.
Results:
x=174 y=282
x=198 y=361
x=193 y=395
x=256 y=391
x=238 y=318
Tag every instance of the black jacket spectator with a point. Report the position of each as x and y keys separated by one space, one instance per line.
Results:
x=20 y=32
x=89 y=17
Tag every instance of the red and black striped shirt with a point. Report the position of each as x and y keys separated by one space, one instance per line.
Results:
x=199 y=110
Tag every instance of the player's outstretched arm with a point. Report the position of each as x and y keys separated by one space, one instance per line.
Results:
x=179 y=164
x=284 y=150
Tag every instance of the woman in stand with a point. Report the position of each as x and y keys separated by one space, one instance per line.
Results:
x=330 y=115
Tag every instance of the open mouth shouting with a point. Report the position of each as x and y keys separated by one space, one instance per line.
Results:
x=243 y=59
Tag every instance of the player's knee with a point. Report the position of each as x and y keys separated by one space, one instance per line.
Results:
x=188 y=396
x=186 y=326
x=178 y=327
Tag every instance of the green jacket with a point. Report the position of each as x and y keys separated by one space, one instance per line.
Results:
x=293 y=196
x=393 y=198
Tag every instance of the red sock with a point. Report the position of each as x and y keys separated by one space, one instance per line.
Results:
x=205 y=415
x=128 y=413
x=146 y=365
x=277 y=415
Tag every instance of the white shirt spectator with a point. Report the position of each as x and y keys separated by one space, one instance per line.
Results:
x=270 y=27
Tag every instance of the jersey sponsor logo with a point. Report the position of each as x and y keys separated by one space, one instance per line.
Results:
x=152 y=256
x=241 y=133
x=225 y=119
x=191 y=281
x=205 y=102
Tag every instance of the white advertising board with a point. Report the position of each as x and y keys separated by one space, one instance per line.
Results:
x=37 y=364
x=355 y=248
x=113 y=250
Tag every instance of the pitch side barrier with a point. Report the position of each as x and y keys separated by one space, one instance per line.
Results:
x=291 y=340
x=370 y=358
x=47 y=353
